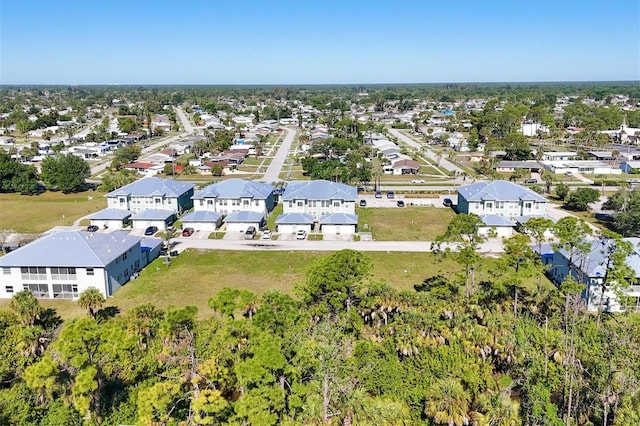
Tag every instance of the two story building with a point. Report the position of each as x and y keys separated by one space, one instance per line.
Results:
x=64 y=264
x=152 y=193
x=235 y=195
x=319 y=198
x=500 y=198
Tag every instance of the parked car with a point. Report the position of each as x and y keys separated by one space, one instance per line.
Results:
x=378 y=194
x=250 y=233
x=400 y=203
x=418 y=181
x=568 y=174
x=531 y=180
x=447 y=202
x=266 y=234
x=151 y=230
x=363 y=203
x=391 y=195
x=301 y=234
x=187 y=232
x=92 y=228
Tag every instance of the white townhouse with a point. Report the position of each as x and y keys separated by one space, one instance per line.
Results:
x=319 y=198
x=152 y=193
x=235 y=195
x=501 y=198
x=64 y=264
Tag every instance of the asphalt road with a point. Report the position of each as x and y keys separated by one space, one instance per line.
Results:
x=272 y=174
x=443 y=162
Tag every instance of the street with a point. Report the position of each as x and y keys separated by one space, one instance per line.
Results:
x=272 y=175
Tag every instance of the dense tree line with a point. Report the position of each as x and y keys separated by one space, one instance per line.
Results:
x=345 y=350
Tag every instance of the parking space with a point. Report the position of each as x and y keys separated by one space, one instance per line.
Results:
x=234 y=235
x=337 y=237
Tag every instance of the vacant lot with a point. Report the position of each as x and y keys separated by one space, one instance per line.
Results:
x=195 y=276
x=404 y=224
x=38 y=213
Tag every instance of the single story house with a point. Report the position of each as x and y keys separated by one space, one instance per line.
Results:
x=147 y=169
x=559 y=156
x=339 y=224
x=631 y=167
x=153 y=193
x=405 y=167
x=62 y=265
x=500 y=197
x=239 y=221
x=153 y=217
x=111 y=218
x=202 y=220
x=581 y=167
x=319 y=198
x=234 y=195
x=509 y=166
x=499 y=226
x=290 y=223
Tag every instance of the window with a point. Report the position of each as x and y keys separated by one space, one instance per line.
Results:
x=122 y=200
x=89 y=271
x=336 y=204
x=488 y=206
x=40 y=291
x=312 y=203
x=235 y=202
x=33 y=273
x=300 y=204
x=63 y=274
x=257 y=203
x=527 y=206
x=245 y=203
x=290 y=204
x=8 y=288
x=6 y=271
x=65 y=291
x=208 y=202
x=158 y=201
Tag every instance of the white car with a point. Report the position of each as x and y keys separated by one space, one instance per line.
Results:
x=417 y=181
x=301 y=235
x=266 y=234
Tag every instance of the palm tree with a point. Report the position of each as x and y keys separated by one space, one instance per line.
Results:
x=498 y=409
x=91 y=299
x=448 y=403
x=26 y=306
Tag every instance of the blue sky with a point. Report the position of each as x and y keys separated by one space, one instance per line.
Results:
x=317 y=42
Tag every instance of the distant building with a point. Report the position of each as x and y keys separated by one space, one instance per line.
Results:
x=500 y=198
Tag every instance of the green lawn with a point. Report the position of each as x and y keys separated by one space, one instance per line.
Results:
x=38 y=213
x=408 y=223
x=271 y=219
x=195 y=276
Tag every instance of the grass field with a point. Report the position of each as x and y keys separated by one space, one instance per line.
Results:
x=406 y=224
x=38 y=213
x=195 y=276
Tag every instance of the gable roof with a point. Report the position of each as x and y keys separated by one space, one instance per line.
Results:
x=319 y=190
x=496 y=220
x=146 y=186
x=72 y=249
x=110 y=214
x=596 y=259
x=498 y=190
x=202 y=216
x=236 y=188
x=339 y=219
x=244 y=216
x=153 y=214
x=294 y=219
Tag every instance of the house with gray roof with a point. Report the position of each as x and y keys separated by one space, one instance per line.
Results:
x=319 y=198
x=241 y=220
x=500 y=197
x=496 y=225
x=152 y=193
x=111 y=218
x=64 y=264
x=590 y=269
x=234 y=195
x=290 y=223
x=202 y=220
x=159 y=218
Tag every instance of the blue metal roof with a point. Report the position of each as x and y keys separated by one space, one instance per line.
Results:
x=201 y=216
x=153 y=214
x=596 y=262
x=244 y=217
x=524 y=219
x=498 y=190
x=111 y=214
x=496 y=220
x=236 y=188
x=150 y=243
x=319 y=190
x=72 y=249
x=339 y=219
x=294 y=219
x=153 y=185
